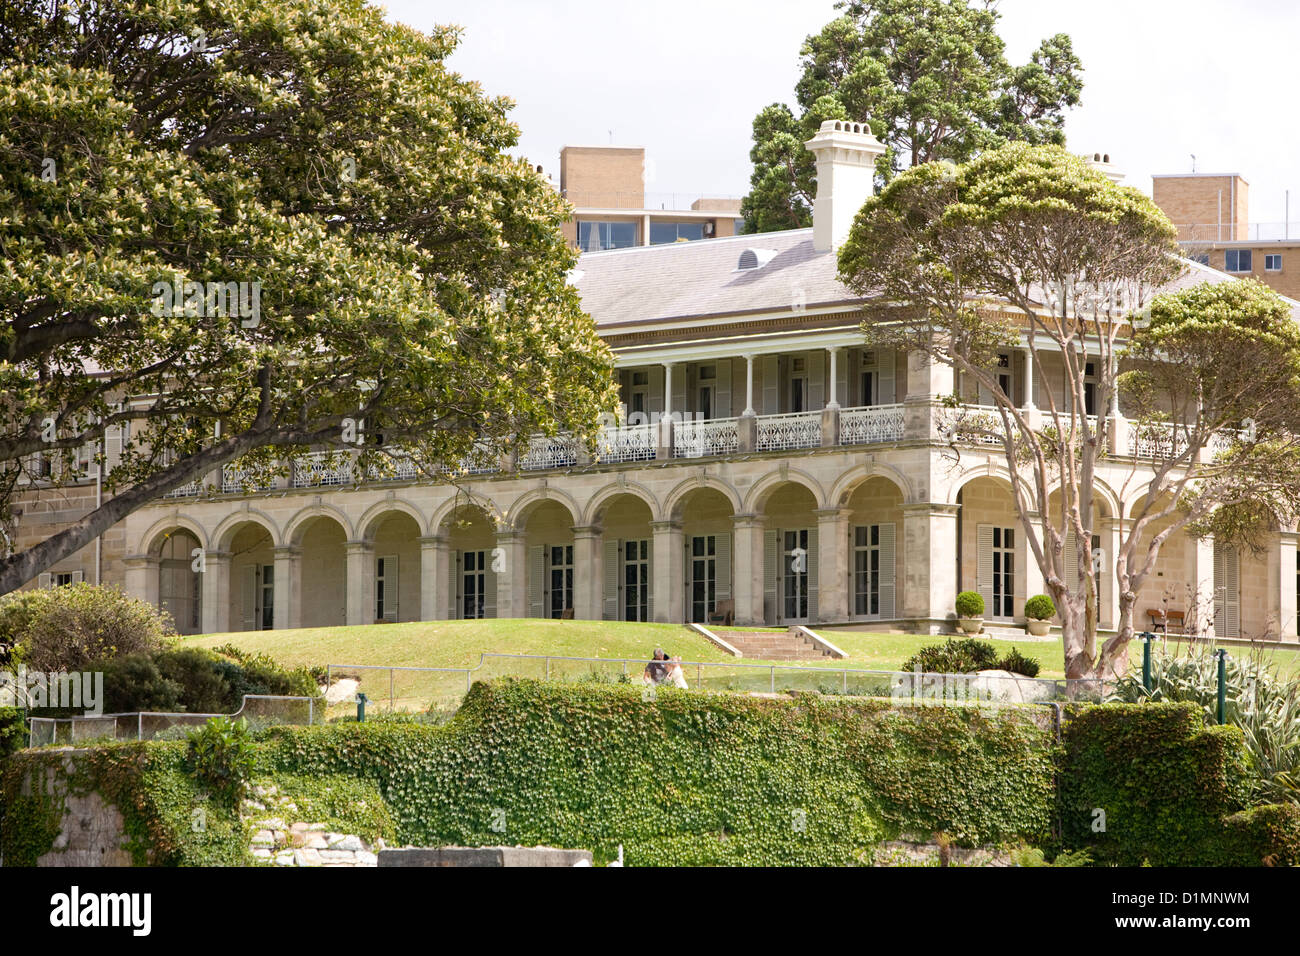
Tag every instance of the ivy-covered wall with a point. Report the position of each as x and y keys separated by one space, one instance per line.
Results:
x=689 y=778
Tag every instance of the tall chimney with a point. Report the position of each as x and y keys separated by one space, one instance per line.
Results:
x=1101 y=162
x=846 y=175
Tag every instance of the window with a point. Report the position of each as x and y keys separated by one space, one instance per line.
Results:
x=704 y=576
x=1202 y=257
x=636 y=580
x=473 y=584
x=1273 y=263
x=662 y=233
x=594 y=236
x=1090 y=388
x=1004 y=572
x=1236 y=260
x=738 y=226
x=63 y=579
x=708 y=383
x=561 y=589
x=794 y=575
x=798 y=385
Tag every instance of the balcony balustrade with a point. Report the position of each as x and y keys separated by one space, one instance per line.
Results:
x=701 y=438
x=620 y=443
x=545 y=452
x=870 y=424
x=789 y=431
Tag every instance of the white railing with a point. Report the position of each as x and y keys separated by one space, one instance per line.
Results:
x=192 y=490
x=239 y=480
x=322 y=468
x=977 y=425
x=1155 y=440
x=871 y=423
x=399 y=468
x=628 y=443
x=544 y=451
x=792 y=430
x=699 y=438
x=482 y=460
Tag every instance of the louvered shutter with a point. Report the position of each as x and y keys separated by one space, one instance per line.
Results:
x=536 y=581
x=984 y=565
x=1071 y=561
x=655 y=393
x=771 y=386
x=113 y=442
x=489 y=588
x=816 y=380
x=78 y=577
x=885 y=378
x=771 y=570
x=45 y=580
x=250 y=589
x=722 y=566
x=650 y=580
x=613 y=551
x=982 y=395
x=722 y=394
x=681 y=377
x=888 y=569
x=812 y=574
x=1227 y=597
x=390 y=586
x=845 y=372
x=455 y=604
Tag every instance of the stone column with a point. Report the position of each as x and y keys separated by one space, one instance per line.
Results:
x=215 y=582
x=832 y=565
x=666 y=421
x=668 y=586
x=747 y=423
x=1282 y=588
x=286 y=607
x=927 y=381
x=588 y=574
x=929 y=579
x=747 y=568
x=435 y=579
x=512 y=581
x=360 y=582
x=1200 y=581
x=141 y=578
x=1111 y=532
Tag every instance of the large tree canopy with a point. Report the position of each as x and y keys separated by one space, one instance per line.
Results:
x=1029 y=246
x=931 y=79
x=397 y=269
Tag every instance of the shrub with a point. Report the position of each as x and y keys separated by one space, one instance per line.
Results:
x=261 y=674
x=13 y=731
x=203 y=679
x=81 y=623
x=970 y=604
x=1264 y=836
x=1018 y=663
x=134 y=682
x=954 y=657
x=1040 y=608
x=17 y=612
x=220 y=755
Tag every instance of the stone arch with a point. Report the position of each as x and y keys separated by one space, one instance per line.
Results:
x=525 y=504
x=152 y=539
x=598 y=500
x=994 y=470
x=770 y=482
x=376 y=513
x=229 y=526
x=848 y=482
x=297 y=524
x=459 y=502
x=676 y=498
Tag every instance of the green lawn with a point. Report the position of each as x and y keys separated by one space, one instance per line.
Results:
x=459 y=644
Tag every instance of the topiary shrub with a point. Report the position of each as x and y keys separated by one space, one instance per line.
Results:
x=1040 y=608
x=970 y=604
x=1018 y=663
x=954 y=657
x=81 y=623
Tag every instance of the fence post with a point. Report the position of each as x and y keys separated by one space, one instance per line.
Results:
x=1146 y=660
x=845 y=688
x=392 y=697
x=548 y=668
x=773 y=681
x=1223 y=686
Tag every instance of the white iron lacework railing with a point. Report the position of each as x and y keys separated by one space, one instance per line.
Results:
x=480 y=461
x=545 y=451
x=698 y=438
x=978 y=425
x=192 y=490
x=792 y=430
x=322 y=468
x=871 y=423
x=398 y=468
x=628 y=443
x=1156 y=440
x=239 y=479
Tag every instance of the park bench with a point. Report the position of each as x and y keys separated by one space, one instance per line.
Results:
x=1167 y=619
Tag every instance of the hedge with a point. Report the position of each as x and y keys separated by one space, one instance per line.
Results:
x=685 y=778
x=1164 y=781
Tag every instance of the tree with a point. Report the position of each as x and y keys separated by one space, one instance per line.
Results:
x=1029 y=246
x=242 y=228
x=931 y=79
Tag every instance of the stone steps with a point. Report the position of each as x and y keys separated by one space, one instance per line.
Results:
x=776 y=646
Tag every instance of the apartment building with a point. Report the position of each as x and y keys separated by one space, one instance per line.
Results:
x=1212 y=213
x=613 y=210
x=766 y=469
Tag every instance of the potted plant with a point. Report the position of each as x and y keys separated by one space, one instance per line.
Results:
x=970 y=612
x=1039 y=610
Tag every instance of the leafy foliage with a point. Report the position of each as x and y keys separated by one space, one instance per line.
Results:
x=969 y=604
x=220 y=754
x=931 y=78
x=1018 y=663
x=408 y=266
x=13 y=731
x=1040 y=608
x=967 y=656
x=73 y=626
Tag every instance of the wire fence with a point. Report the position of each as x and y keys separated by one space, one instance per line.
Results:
x=419 y=688
x=260 y=710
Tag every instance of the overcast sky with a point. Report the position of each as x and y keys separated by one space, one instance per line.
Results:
x=1163 y=79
